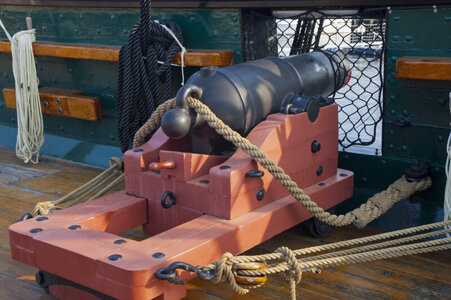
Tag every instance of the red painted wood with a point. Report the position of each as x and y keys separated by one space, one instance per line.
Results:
x=82 y=255
x=216 y=210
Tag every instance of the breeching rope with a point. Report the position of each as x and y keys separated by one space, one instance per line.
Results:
x=360 y=217
x=285 y=262
x=140 y=74
x=30 y=127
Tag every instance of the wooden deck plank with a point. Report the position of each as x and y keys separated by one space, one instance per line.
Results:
x=54 y=185
x=425 y=276
x=15 y=206
x=16 y=289
x=14 y=192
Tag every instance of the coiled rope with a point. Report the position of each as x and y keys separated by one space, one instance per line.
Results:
x=140 y=75
x=30 y=127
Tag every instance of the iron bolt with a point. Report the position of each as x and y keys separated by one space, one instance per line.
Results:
x=115 y=257
x=315 y=147
x=158 y=255
x=319 y=170
x=260 y=194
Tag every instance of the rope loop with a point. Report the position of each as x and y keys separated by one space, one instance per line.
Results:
x=289 y=257
x=44 y=208
x=116 y=162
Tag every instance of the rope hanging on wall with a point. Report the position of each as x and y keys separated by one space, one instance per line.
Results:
x=140 y=76
x=447 y=200
x=30 y=127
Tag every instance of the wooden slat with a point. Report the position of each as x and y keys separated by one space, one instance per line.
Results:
x=72 y=103
x=220 y=3
x=195 y=58
x=428 y=68
x=203 y=58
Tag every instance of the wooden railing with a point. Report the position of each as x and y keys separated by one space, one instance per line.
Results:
x=195 y=58
x=429 y=68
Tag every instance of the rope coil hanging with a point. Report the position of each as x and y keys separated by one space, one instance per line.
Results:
x=140 y=74
x=30 y=125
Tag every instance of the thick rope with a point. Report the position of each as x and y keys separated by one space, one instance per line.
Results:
x=291 y=268
x=152 y=123
x=360 y=217
x=30 y=126
x=348 y=243
x=140 y=76
x=109 y=178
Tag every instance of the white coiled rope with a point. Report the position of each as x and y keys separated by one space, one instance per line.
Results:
x=30 y=127
x=447 y=200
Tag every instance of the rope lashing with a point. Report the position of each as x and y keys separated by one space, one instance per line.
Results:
x=30 y=127
x=140 y=74
x=376 y=206
x=360 y=217
x=108 y=179
x=285 y=262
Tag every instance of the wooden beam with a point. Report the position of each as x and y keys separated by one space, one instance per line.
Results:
x=195 y=58
x=224 y=4
x=427 y=68
x=62 y=102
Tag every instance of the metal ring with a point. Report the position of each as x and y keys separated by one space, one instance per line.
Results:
x=26 y=216
x=171 y=202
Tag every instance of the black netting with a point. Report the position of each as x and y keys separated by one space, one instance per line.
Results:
x=359 y=36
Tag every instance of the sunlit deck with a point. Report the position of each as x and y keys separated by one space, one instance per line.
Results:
x=416 y=277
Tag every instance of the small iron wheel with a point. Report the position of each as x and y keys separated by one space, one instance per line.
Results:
x=317 y=228
x=41 y=280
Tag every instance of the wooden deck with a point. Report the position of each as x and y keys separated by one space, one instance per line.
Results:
x=416 y=277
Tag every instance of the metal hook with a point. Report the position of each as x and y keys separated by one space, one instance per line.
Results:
x=170 y=273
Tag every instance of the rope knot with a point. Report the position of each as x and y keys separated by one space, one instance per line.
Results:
x=289 y=257
x=44 y=208
x=224 y=273
x=117 y=162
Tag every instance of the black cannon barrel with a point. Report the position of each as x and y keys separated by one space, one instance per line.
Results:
x=243 y=95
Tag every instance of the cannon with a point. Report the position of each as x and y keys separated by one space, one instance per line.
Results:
x=202 y=197
x=243 y=95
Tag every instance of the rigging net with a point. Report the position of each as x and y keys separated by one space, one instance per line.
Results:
x=358 y=36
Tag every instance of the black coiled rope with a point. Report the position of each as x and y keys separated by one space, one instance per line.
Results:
x=140 y=77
